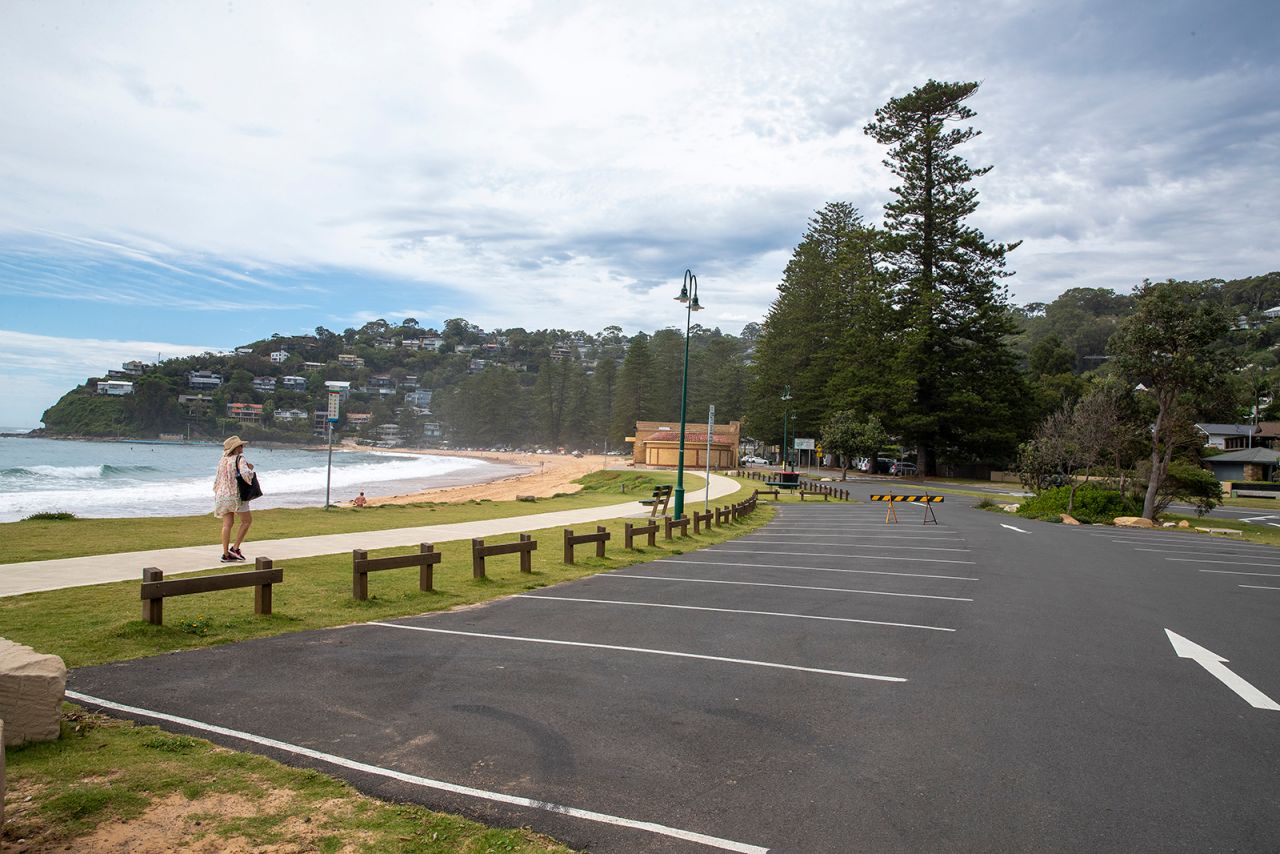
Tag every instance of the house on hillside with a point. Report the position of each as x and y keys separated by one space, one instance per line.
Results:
x=203 y=379
x=245 y=413
x=1252 y=464
x=115 y=387
x=294 y=383
x=279 y=357
x=266 y=385
x=1228 y=437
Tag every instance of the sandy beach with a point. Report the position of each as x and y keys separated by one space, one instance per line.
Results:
x=548 y=475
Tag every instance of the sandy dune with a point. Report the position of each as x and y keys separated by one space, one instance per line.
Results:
x=548 y=474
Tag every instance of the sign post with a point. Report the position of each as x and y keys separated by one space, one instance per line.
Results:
x=330 y=420
x=805 y=445
x=711 y=426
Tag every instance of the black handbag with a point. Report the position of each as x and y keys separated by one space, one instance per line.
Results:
x=249 y=489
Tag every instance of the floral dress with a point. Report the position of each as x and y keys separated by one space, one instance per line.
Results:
x=226 y=492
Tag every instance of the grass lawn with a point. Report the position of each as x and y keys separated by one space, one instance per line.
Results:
x=104 y=774
x=45 y=540
x=110 y=785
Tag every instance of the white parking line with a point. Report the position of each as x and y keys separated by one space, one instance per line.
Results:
x=1186 y=552
x=413 y=779
x=1234 y=572
x=1231 y=562
x=645 y=651
x=816 y=569
x=718 y=550
x=1259 y=587
x=783 y=586
x=731 y=611
x=840 y=545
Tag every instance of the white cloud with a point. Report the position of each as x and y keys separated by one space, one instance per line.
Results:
x=548 y=162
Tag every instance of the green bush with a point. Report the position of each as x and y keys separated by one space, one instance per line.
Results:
x=1094 y=503
x=50 y=516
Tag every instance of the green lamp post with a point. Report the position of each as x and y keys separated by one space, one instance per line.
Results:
x=688 y=296
x=786 y=411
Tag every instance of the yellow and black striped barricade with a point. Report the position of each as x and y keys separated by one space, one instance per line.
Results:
x=891 y=515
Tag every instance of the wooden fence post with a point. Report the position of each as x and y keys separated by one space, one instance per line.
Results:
x=262 y=592
x=526 y=557
x=477 y=559
x=359 y=580
x=153 y=609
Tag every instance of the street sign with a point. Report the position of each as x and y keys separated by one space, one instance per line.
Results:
x=804 y=444
x=334 y=398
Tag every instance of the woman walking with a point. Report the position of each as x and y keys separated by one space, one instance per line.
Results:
x=226 y=497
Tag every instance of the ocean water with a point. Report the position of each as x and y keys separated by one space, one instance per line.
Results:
x=114 y=479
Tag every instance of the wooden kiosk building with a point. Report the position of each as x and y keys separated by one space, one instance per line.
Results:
x=657 y=443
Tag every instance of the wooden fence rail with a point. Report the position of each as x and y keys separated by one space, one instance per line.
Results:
x=630 y=531
x=701 y=520
x=524 y=547
x=670 y=524
x=362 y=565
x=600 y=537
x=155 y=588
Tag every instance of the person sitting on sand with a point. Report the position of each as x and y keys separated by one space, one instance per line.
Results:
x=226 y=497
x=360 y=500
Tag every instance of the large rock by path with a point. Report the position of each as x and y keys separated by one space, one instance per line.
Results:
x=1134 y=522
x=31 y=692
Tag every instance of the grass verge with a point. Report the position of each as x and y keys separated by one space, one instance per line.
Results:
x=47 y=539
x=108 y=785
x=108 y=781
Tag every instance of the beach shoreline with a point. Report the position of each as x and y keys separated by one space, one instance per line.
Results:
x=548 y=475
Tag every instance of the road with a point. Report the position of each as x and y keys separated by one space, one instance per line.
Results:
x=827 y=684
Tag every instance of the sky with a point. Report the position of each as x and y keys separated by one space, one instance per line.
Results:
x=180 y=177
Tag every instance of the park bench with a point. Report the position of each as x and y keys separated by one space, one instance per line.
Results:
x=629 y=532
x=826 y=496
x=776 y=495
x=658 y=503
x=155 y=589
x=362 y=565
x=1254 y=493
x=600 y=537
x=671 y=524
x=524 y=547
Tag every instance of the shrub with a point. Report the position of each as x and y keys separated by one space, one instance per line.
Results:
x=1094 y=503
x=54 y=516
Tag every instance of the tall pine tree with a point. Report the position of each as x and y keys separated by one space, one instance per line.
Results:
x=954 y=311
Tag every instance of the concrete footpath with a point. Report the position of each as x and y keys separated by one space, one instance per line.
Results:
x=33 y=576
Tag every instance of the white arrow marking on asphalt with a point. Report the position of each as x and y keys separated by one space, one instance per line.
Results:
x=1214 y=664
x=1011 y=528
x=1262 y=519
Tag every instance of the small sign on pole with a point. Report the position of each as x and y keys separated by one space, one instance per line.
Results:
x=334 y=401
x=711 y=427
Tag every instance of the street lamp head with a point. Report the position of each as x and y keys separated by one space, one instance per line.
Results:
x=695 y=305
x=684 y=295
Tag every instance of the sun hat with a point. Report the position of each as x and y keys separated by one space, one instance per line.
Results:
x=231 y=444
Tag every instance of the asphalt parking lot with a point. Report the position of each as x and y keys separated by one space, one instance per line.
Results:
x=827 y=684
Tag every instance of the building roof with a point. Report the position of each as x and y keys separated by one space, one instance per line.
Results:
x=1227 y=429
x=690 y=437
x=1248 y=455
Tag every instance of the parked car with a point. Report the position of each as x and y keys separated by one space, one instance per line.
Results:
x=754 y=461
x=902 y=468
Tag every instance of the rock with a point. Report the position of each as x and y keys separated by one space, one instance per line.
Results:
x=1069 y=520
x=1133 y=522
x=1009 y=508
x=1184 y=524
x=31 y=692
x=1168 y=525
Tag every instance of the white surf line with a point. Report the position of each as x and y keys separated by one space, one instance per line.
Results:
x=783 y=586
x=842 y=545
x=732 y=611
x=1230 y=562
x=854 y=557
x=816 y=569
x=1258 y=587
x=1240 y=572
x=415 y=780
x=646 y=651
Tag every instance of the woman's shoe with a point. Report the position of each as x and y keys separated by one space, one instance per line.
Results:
x=230 y=558
x=235 y=553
